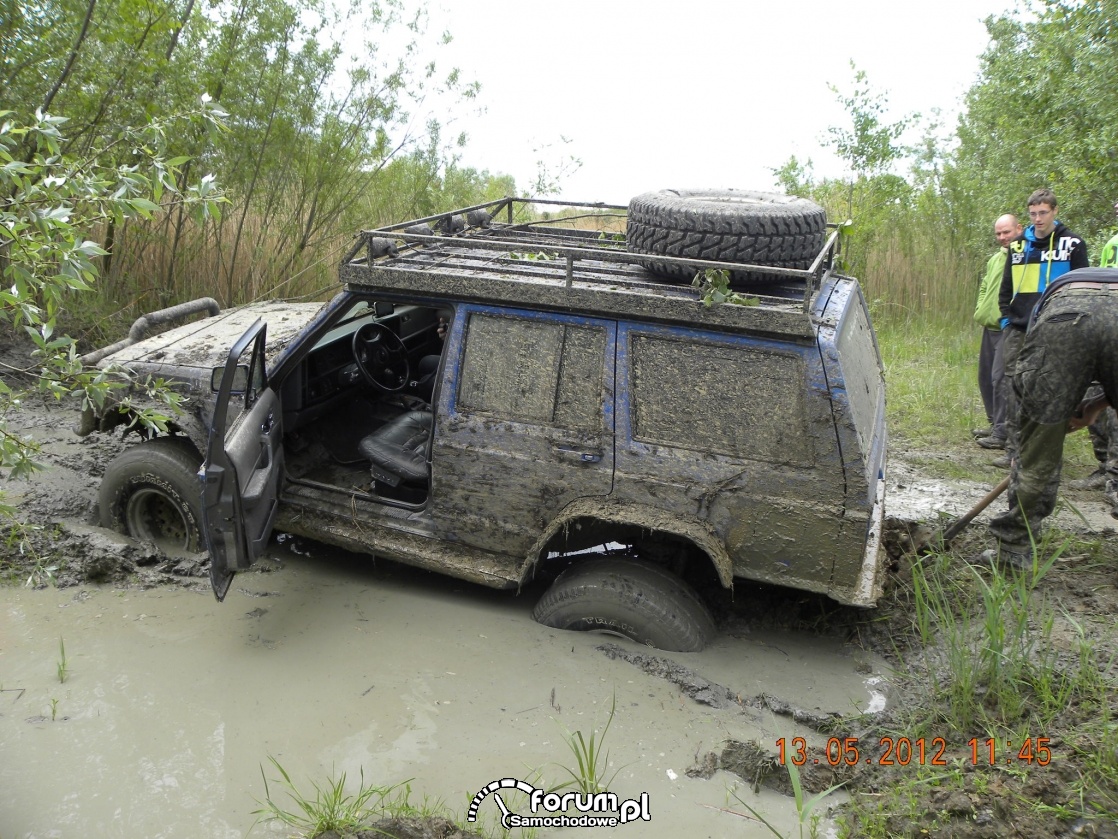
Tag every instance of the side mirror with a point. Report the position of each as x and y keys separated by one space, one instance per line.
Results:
x=240 y=379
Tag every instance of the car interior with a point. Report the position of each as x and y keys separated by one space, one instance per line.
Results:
x=357 y=407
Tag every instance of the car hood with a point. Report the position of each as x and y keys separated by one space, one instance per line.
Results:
x=194 y=349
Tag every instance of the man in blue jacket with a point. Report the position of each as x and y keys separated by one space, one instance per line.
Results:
x=1043 y=253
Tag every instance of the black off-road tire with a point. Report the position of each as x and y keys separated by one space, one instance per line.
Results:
x=636 y=600
x=151 y=492
x=727 y=225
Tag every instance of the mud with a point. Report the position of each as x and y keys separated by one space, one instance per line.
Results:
x=173 y=702
x=332 y=663
x=329 y=662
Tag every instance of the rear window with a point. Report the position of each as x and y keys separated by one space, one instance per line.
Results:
x=726 y=399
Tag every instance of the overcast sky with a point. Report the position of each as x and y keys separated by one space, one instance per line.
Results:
x=694 y=93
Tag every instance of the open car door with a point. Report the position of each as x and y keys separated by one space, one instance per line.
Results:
x=244 y=462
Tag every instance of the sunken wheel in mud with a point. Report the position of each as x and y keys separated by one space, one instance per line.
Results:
x=632 y=599
x=725 y=225
x=151 y=492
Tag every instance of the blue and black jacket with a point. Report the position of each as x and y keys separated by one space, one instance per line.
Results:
x=1032 y=265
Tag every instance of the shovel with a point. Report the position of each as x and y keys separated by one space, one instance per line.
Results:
x=939 y=540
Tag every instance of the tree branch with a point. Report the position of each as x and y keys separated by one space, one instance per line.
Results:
x=73 y=57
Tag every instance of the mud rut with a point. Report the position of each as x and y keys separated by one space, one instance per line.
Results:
x=61 y=501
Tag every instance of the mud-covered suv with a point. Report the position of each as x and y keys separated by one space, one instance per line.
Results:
x=501 y=400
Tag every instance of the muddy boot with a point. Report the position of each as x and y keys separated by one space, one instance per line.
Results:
x=1001 y=462
x=991 y=442
x=976 y=433
x=1005 y=558
x=1096 y=480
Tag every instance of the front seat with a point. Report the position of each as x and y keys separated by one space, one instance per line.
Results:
x=398 y=449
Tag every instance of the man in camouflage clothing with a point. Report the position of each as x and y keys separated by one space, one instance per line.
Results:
x=1104 y=430
x=1071 y=343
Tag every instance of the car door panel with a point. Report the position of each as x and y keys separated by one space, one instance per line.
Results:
x=525 y=427
x=244 y=463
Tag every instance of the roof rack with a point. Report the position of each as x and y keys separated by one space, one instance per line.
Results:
x=485 y=244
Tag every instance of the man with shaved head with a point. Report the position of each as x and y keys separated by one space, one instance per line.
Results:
x=987 y=313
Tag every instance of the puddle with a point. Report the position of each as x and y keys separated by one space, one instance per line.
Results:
x=172 y=702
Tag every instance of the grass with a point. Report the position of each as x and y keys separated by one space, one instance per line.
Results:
x=996 y=633
x=988 y=654
x=63 y=663
x=932 y=388
x=591 y=763
x=331 y=807
x=806 y=815
x=334 y=809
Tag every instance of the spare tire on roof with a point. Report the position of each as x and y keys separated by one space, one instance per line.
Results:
x=725 y=225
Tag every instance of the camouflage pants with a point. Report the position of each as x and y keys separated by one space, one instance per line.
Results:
x=1073 y=343
x=1104 y=440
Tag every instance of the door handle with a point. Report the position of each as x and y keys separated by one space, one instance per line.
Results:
x=577 y=453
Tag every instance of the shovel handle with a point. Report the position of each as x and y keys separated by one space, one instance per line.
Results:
x=955 y=529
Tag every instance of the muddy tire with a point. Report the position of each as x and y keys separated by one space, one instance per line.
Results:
x=757 y=228
x=151 y=492
x=632 y=599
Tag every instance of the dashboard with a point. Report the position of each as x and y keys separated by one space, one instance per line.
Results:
x=329 y=372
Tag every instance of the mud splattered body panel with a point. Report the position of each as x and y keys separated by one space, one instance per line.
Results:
x=735 y=432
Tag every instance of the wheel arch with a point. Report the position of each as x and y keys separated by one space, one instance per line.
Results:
x=593 y=513
x=185 y=425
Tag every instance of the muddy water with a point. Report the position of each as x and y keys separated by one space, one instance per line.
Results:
x=172 y=702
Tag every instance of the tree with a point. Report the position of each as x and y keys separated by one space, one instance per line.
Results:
x=1043 y=113
x=873 y=197
x=50 y=202
x=321 y=97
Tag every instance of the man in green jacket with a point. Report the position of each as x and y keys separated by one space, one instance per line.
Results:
x=987 y=314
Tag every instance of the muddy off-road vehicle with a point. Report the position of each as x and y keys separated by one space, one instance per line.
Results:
x=502 y=401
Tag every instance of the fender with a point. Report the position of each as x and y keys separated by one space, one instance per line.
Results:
x=621 y=512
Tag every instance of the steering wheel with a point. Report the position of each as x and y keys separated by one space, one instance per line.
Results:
x=381 y=357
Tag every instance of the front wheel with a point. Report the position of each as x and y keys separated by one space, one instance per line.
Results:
x=151 y=492
x=632 y=599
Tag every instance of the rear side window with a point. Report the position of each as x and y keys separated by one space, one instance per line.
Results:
x=536 y=371
x=740 y=402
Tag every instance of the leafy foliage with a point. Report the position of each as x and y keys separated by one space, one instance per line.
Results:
x=50 y=201
x=714 y=289
x=316 y=118
x=873 y=199
x=1043 y=113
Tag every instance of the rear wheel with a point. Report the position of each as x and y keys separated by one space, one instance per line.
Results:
x=628 y=598
x=151 y=492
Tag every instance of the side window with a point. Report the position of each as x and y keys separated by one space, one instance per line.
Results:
x=534 y=371
x=257 y=382
x=729 y=400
